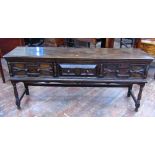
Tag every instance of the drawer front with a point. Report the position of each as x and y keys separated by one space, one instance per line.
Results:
x=79 y=70
x=30 y=69
x=139 y=70
x=106 y=70
x=123 y=70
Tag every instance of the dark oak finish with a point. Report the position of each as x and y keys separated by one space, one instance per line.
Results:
x=82 y=67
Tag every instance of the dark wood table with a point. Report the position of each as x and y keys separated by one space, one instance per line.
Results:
x=81 y=67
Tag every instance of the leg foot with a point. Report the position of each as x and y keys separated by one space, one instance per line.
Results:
x=18 y=107
x=137 y=105
x=136 y=110
x=18 y=103
x=129 y=91
x=1 y=70
x=16 y=95
x=26 y=89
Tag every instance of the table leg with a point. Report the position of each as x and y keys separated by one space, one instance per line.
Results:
x=129 y=91
x=26 y=89
x=1 y=70
x=137 y=104
x=16 y=95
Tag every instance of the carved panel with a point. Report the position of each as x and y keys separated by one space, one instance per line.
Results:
x=123 y=70
x=108 y=70
x=138 y=70
x=17 y=68
x=31 y=69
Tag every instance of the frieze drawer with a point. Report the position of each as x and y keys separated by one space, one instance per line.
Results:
x=123 y=71
x=83 y=70
x=139 y=70
x=30 y=69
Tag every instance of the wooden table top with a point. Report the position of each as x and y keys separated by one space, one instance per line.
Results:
x=78 y=53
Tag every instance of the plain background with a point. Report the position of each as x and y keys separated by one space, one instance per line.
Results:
x=77 y=19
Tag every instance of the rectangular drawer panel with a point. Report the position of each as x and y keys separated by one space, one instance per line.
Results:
x=138 y=70
x=123 y=70
x=31 y=69
x=84 y=70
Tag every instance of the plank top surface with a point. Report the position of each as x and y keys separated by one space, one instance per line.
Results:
x=78 y=53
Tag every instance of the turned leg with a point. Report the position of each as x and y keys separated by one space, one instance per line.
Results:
x=137 y=104
x=129 y=91
x=16 y=95
x=1 y=70
x=26 y=89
